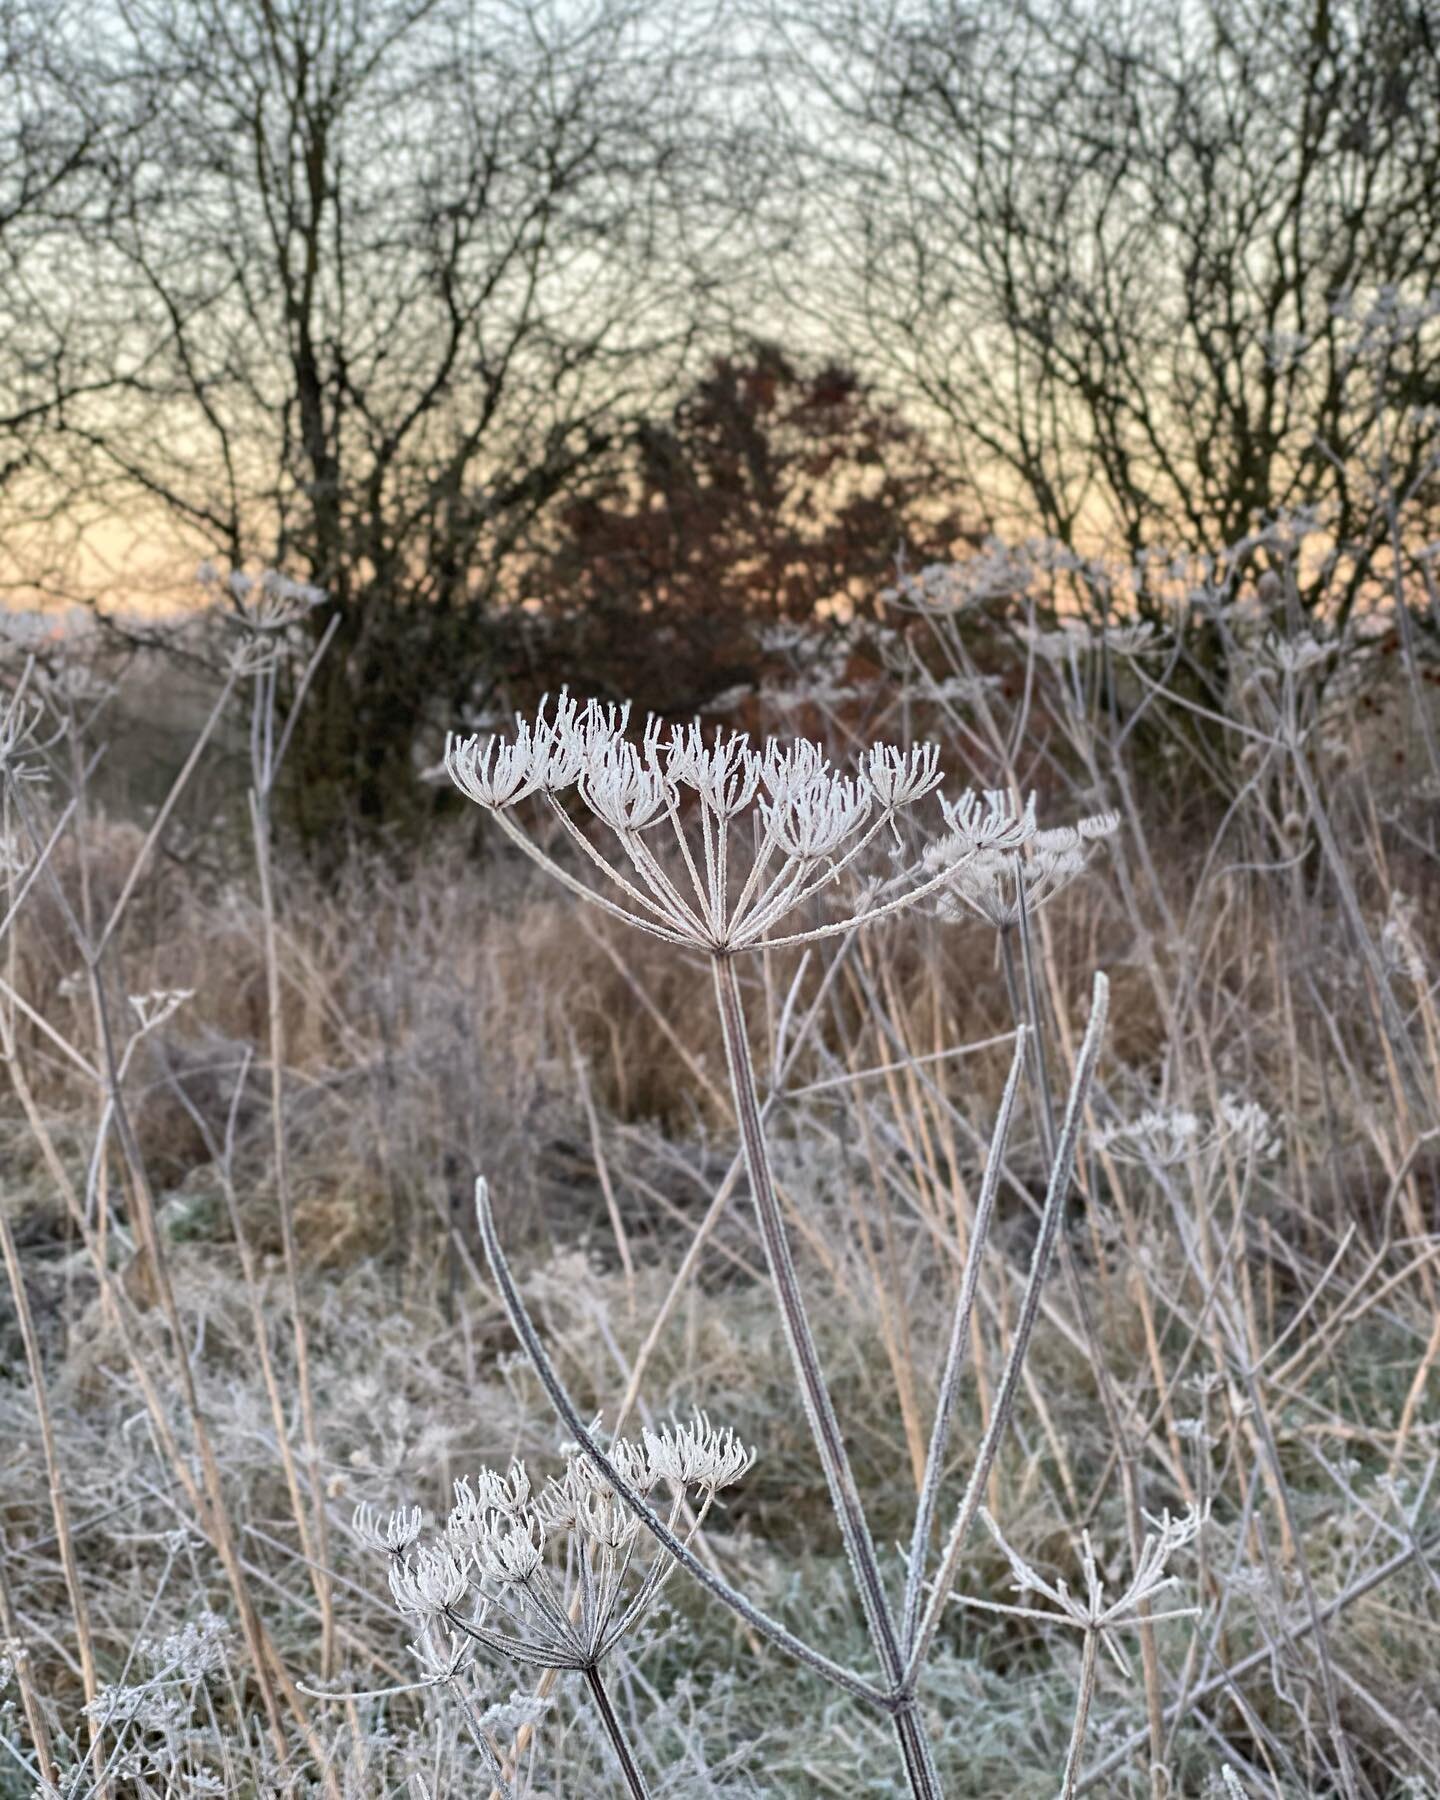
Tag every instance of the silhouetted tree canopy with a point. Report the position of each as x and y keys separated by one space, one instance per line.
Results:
x=774 y=490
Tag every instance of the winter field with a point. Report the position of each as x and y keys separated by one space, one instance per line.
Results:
x=1010 y=1300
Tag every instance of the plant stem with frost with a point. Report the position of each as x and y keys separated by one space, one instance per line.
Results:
x=615 y=1731
x=819 y=1408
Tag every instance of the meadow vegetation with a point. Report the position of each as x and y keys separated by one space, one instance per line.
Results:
x=250 y=1315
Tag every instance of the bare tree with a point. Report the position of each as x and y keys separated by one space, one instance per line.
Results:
x=376 y=279
x=1114 y=246
x=51 y=145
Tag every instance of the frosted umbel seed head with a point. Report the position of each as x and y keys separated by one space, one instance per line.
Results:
x=554 y=1578
x=395 y=1534
x=430 y=1583
x=1003 y=863
x=697 y=1455
x=717 y=841
x=492 y=772
x=512 y=1552
x=901 y=777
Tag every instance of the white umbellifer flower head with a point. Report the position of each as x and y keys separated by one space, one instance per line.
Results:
x=900 y=777
x=772 y=827
x=1159 y=1138
x=395 y=1534
x=997 y=853
x=513 y=1552
x=430 y=1583
x=696 y=1454
x=606 y=1521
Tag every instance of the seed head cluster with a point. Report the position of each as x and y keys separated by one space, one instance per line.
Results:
x=720 y=841
x=551 y=1577
x=1001 y=861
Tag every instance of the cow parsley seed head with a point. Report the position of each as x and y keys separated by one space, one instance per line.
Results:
x=1298 y=656
x=1164 y=1137
x=1400 y=945
x=773 y=825
x=697 y=1455
x=16 y=856
x=268 y=602
x=791 y=767
x=506 y=1717
x=196 y=1650
x=622 y=789
x=508 y=1493
x=812 y=823
x=1137 y=640
x=606 y=1521
x=724 y=772
x=991 y=821
x=900 y=777
x=1248 y=1127
x=430 y=1583
x=493 y=773
x=479 y=1509
x=395 y=1534
x=511 y=1553
x=147 y=1706
x=1094 y=1611
x=997 y=854
x=1159 y=1138
x=553 y=1578
x=20 y=738
x=154 y=1008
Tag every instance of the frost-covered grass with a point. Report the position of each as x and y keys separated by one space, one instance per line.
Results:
x=235 y=1347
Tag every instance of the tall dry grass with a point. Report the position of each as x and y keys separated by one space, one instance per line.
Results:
x=217 y=1206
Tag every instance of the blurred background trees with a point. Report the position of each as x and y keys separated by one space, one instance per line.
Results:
x=1121 y=250
x=377 y=286
x=578 y=338
x=775 y=492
